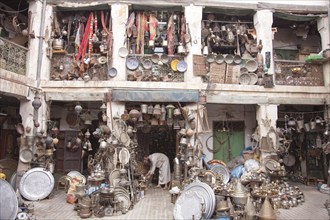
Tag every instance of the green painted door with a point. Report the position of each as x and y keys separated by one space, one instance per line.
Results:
x=228 y=144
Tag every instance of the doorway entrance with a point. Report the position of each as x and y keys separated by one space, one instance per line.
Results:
x=228 y=140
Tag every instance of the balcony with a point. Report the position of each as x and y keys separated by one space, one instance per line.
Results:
x=12 y=57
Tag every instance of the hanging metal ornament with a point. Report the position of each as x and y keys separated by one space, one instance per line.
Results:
x=87 y=134
x=157 y=111
x=134 y=115
x=144 y=108
x=150 y=109
x=169 y=109
x=89 y=146
x=36 y=103
x=78 y=108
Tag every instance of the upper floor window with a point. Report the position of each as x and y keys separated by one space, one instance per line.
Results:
x=157 y=41
x=295 y=41
x=80 y=43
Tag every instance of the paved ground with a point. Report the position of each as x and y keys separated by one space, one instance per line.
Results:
x=157 y=205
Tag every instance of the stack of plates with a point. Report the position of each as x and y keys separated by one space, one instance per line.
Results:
x=122 y=195
x=195 y=197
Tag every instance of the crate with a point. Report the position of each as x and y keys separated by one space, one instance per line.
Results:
x=199 y=65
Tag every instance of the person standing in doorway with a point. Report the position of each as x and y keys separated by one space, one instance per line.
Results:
x=161 y=161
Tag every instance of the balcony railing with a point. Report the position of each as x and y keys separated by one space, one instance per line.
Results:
x=12 y=56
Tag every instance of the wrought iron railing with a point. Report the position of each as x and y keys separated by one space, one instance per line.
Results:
x=12 y=57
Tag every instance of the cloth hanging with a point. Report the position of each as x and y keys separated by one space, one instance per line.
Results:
x=83 y=44
x=170 y=36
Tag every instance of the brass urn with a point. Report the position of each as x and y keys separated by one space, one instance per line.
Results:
x=239 y=195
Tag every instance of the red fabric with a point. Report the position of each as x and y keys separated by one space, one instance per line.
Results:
x=84 y=42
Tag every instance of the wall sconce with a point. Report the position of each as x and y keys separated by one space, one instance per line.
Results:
x=36 y=103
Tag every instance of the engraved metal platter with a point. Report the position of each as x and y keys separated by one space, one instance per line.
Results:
x=36 y=184
x=188 y=205
x=202 y=190
x=8 y=201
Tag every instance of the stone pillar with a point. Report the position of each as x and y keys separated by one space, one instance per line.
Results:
x=263 y=21
x=323 y=28
x=193 y=16
x=36 y=8
x=119 y=15
x=266 y=116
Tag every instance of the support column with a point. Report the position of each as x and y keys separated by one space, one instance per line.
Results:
x=193 y=16
x=263 y=21
x=324 y=30
x=266 y=116
x=119 y=15
x=114 y=109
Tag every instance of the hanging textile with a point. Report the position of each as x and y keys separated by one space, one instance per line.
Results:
x=84 y=42
x=170 y=36
x=141 y=24
x=153 y=23
x=183 y=31
x=109 y=36
x=129 y=24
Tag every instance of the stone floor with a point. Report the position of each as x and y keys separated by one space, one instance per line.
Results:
x=157 y=205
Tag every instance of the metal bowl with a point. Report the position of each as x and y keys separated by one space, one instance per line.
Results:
x=251 y=65
x=147 y=64
x=219 y=59
x=229 y=59
x=112 y=72
x=237 y=59
x=181 y=66
x=210 y=58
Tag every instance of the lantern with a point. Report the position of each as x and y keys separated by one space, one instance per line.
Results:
x=169 y=109
x=36 y=103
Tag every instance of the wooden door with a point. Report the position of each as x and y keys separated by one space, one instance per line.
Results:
x=67 y=160
x=228 y=144
x=71 y=158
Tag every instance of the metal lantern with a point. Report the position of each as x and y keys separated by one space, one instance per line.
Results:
x=36 y=103
x=169 y=109
x=88 y=118
x=157 y=111
x=103 y=107
x=176 y=125
x=78 y=108
x=163 y=113
x=134 y=115
x=144 y=108
x=177 y=112
x=87 y=134
x=150 y=109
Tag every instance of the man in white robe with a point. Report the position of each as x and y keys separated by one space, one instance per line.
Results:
x=161 y=161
